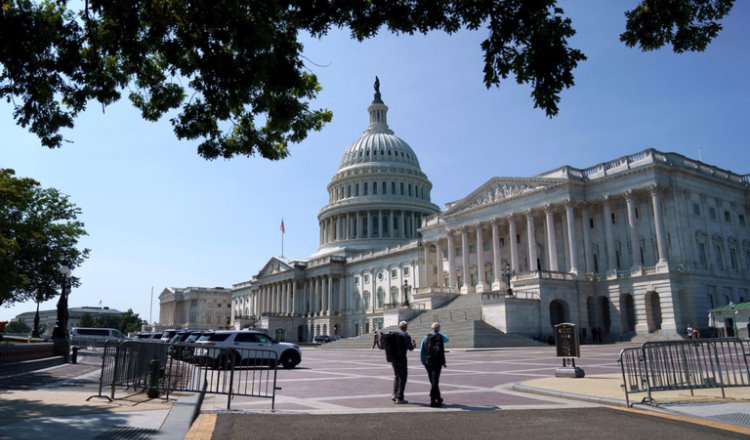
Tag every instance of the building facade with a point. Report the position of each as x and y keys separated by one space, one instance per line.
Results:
x=635 y=248
x=48 y=318
x=195 y=307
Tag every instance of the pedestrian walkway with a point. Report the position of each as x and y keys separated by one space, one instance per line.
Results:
x=53 y=403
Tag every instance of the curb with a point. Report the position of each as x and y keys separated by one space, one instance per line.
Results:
x=572 y=396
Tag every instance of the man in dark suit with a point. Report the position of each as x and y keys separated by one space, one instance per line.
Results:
x=404 y=342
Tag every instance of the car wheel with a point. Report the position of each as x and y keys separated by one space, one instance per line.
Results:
x=289 y=359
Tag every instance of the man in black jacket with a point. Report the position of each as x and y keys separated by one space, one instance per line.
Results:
x=404 y=342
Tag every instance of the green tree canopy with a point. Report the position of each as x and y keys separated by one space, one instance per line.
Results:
x=39 y=232
x=235 y=69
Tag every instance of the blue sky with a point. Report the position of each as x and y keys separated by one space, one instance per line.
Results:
x=160 y=216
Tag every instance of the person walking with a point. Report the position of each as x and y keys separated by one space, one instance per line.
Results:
x=432 y=355
x=401 y=343
x=376 y=340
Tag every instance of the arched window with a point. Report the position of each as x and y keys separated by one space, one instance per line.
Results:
x=394 y=295
x=366 y=300
x=381 y=297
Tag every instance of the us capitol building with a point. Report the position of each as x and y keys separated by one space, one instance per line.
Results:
x=638 y=248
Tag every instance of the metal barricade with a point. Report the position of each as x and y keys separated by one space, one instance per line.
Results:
x=229 y=371
x=191 y=368
x=684 y=365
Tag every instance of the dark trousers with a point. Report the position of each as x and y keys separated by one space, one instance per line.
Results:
x=433 y=372
x=400 y=372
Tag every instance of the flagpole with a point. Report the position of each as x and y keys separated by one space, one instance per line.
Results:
x=283 y=230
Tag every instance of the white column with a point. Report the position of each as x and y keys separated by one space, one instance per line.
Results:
x=609 y=237
x=403 y=224
x=513 y=244
x=661 y=242
x=632 y=227
x=357 y=226
x=495 y=255
x=294 y=299
x=551 y=239
x=380 y=223
x=465 y=287
x=392 y=216
x=572 y=240
x=324 y=295
x=453 y=283
x=329 y=295
x=531 y=234
x=427 y=267
x=481 y=283
x=439 y=263
x=587 y=248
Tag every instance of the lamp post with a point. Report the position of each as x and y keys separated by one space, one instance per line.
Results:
x=506 y=278
x=406 y=293
x=60 y=332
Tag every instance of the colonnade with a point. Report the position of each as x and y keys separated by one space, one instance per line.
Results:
x=571 y=233
x=316 y=296
x=370 y=224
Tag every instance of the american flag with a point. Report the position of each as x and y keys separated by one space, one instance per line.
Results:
x=281 y=228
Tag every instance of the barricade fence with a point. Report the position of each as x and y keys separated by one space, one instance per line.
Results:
x=189 y=367
x=684 y=365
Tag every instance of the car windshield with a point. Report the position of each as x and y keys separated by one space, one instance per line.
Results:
x=215 y=337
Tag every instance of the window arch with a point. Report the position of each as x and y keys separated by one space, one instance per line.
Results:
x=381 y=297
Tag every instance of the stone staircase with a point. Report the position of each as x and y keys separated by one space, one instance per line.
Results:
x=460 y=319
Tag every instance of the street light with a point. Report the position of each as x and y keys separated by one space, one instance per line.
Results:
x=506 y=278
x=60 y=332
x=406 y=293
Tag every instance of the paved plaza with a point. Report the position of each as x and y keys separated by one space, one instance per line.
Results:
x=346 y=394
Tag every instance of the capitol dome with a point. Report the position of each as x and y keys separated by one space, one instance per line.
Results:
x=379 y=195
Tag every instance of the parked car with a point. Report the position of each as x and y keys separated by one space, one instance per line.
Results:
x=179 y=348
x=86 y=336
x=322 y=339
x=207 y=350
x=167 y=335
x=147 y=336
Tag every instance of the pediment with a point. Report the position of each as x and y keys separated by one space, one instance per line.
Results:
x=499 y=189
x=273 y=267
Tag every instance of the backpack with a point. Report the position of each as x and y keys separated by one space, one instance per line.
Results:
x=391 y=342
x=435 y=350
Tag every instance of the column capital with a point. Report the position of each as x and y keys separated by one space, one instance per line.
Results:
x=654 y=189
x=548 y=208
x=569 y=202
x=629 y=195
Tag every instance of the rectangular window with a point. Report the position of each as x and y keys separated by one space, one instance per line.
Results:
x=385 y=188
x=394 y=273
x=591 y=223
x=406 y=271
x=367 y=278
x=472 y=249
x=613 y=218
x=719 y=260
x=502 y=242
x=733 y=258
x=356 y=190
x=374 y=187
x=486 y=246
x=742 y=219
x=458 y=251
x=702 y=255
x=393 y=187
x=364 y=188
x=727 y=217
x=696 y=209
x=712 y=212
x=410 y=190
x=445 y=254
x=402 y=188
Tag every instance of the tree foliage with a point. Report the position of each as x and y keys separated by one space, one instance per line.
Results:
x=39 y=232
x=236 y=70
x=126 y=322
x=18 y=327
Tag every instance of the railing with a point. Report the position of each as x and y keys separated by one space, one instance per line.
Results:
x=546 y=275
x=191 y=368
x=680 y=365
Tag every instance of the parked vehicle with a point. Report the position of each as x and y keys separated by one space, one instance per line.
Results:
x=167 y=335
x=248 y=347
x=147 y=336
x=179 y=348
x=322 y=339
x=90 y=337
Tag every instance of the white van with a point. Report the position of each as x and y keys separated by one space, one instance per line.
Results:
x=89 y=337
